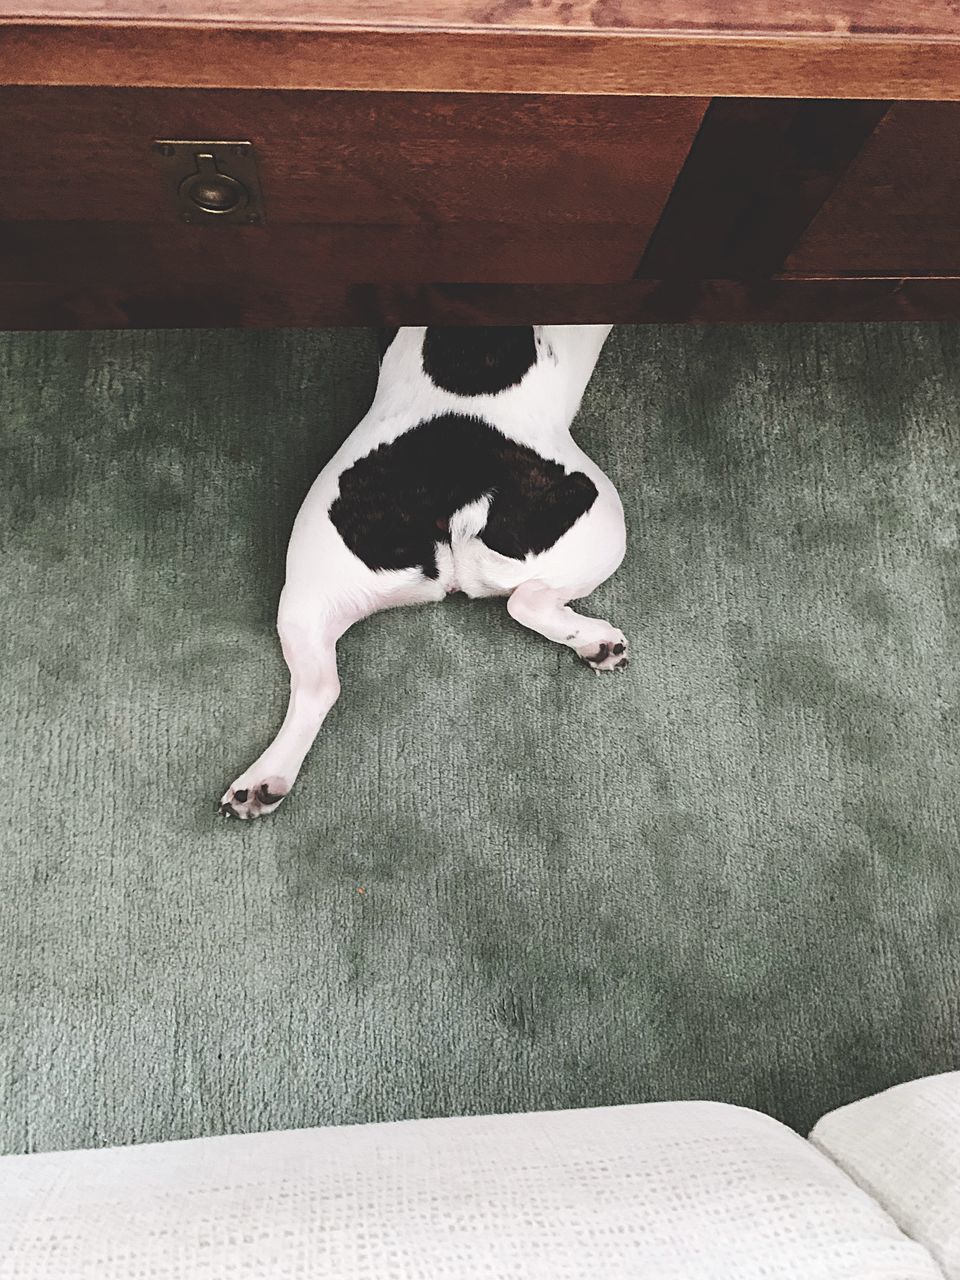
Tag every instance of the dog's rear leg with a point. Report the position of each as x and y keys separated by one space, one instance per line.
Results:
x=545 y=610
x=309 y=640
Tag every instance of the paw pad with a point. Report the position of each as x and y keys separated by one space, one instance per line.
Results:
x=609 y=655
x=253 y=802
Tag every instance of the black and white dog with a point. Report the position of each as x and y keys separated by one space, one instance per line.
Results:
x=463 y=476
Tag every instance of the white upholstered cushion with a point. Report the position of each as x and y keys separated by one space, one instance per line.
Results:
x=671 y=1191
x=903 y=1146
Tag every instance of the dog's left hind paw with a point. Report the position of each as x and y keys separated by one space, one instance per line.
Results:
x=252 y=801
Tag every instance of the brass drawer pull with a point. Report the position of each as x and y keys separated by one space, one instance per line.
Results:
x=212 y=182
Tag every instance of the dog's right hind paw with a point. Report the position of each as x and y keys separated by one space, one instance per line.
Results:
x=607 y=655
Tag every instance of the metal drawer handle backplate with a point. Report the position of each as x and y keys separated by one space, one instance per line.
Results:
x=212 y=182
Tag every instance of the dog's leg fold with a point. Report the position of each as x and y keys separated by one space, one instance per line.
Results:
x=545 y=610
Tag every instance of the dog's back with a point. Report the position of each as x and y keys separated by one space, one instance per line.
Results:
x=467 y=448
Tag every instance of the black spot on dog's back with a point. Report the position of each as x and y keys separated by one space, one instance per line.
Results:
x=480 y=361
x=535 y=503
x=395 y=504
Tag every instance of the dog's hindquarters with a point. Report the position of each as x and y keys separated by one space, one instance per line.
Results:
x=441 y=490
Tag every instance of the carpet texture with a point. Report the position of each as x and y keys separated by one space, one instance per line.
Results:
x=502 y=883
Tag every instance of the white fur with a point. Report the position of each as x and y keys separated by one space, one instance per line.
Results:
x=328 y=588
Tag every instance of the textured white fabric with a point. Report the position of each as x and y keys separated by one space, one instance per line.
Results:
x=670 y=1191
x=903 y=1146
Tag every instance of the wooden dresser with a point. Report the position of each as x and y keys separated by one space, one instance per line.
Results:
x=477 y=161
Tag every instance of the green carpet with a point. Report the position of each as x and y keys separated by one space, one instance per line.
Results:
x=501 y=883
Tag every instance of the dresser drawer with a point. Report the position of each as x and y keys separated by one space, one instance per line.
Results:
x=357 y=188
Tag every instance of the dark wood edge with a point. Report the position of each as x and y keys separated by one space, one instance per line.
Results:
x=505 y=61
x=47 y=306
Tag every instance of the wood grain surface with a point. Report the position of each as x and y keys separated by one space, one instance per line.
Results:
x=381 y=188
x=360 y=158
x=504 y=47
x=492 y=157
x=839 y=17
